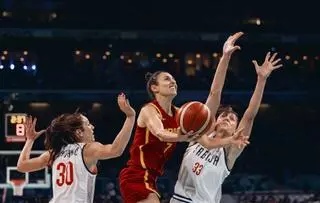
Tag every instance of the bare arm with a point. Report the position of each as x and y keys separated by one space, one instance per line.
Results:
x=25 y=164
x=216 y=142
x=97 y=151
x=213 y=100
x=248 y=118
x=150 y=118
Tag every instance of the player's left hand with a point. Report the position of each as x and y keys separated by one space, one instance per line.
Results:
x=269 y=64
x=124 y=105
x=30 y=127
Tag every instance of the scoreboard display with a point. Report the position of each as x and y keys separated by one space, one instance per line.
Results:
x=14 y=127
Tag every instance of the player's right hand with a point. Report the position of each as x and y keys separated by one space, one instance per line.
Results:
x=30 y=127
x=229 y=47
x=124 y=105
x=185 y=137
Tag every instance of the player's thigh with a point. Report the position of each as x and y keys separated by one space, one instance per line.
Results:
x=152 y=198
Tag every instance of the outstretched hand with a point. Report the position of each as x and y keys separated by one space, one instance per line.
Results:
x=269 y=64
x=124 y=105
x=30 y=127
x=229 y=47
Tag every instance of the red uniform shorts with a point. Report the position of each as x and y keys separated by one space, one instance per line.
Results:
x=136 y=184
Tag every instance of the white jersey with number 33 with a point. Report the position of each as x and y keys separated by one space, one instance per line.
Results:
x=201 y=175
x=72 y=181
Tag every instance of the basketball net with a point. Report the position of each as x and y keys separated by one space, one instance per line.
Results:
x=18 y=185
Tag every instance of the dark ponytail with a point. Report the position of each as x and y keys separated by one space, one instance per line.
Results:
x=61 y=132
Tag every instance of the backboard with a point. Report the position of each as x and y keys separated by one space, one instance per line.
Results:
x=9 y=173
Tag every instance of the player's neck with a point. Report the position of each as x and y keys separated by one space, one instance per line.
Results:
x=165 y=103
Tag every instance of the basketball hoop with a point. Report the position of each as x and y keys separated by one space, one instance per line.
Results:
x=18 y=185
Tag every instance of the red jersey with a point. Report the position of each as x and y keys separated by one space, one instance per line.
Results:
x=147 y=151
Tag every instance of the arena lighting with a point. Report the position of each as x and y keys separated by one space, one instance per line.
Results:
x=215 y=55
x=25 y=67
x=33 y=67
x=129 y=60
x=304 y=57
x=295 y=62
x=5 y=52
x=198 y=56
x=164 y=60
x=189 y=62
x=6 y=14
x=258 y=21
x=53 y=15
x=77 y=52
x=171 y=55
x=287 y=57
x=12 y=66
x=3 y=58
x=107 y=53
x=25 y=53
x=1 y=66
x=39 y=105
x=104 y=57
x=158 y=55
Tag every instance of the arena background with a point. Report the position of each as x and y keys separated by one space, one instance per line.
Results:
x=57 y=56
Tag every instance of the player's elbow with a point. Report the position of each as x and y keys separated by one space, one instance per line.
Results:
x=160 y=135
x=116 y=151
x=22 y=168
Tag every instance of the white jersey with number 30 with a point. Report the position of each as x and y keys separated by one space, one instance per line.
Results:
x=201 y=175
x=72 y=181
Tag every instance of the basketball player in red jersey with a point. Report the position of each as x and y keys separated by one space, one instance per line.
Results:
x=154 y=141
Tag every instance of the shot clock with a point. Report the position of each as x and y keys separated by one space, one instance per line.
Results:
x=14 y=127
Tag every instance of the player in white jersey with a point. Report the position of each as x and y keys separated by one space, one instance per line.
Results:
x=73 y=153
x=203 y=168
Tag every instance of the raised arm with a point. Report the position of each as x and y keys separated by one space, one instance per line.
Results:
x=25 y=164
x=97 y=151
x=213 y=100
x=247 y=120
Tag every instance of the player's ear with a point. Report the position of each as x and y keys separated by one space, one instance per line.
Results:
x=154 y=88
x=79 y=133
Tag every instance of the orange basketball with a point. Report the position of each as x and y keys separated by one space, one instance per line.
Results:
x=194 y=116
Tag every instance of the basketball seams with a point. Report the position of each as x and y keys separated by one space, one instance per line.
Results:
x=181 y=119
x=205 y=125
x=183 y=112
